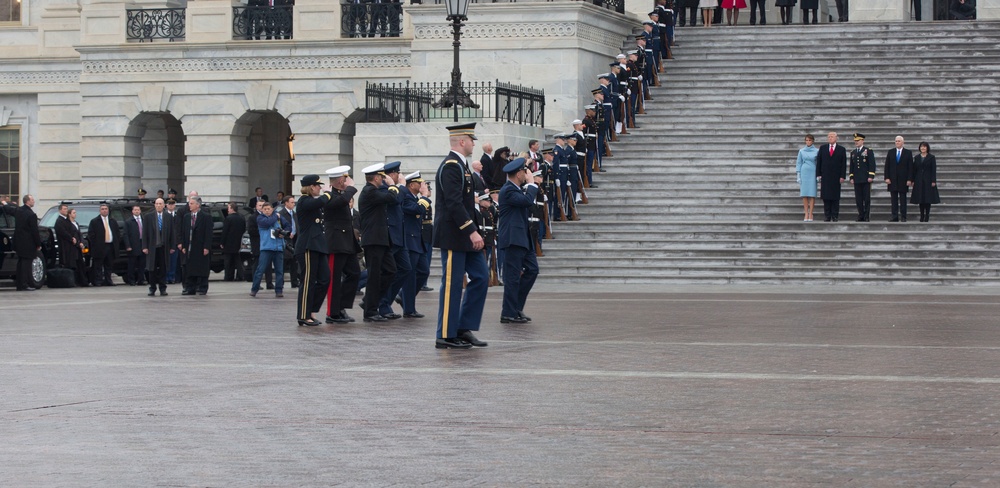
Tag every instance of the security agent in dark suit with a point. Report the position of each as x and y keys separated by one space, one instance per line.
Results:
x=831 y=168
x=27 y=242
x=259 y=196
x=898 y=164
x=233 y=228
x=377 y=195
x=311 y=250
x=195 y=245
x=158 y=243
x=397 y=248
x=520 y=264
x=132 y=240
x=102 y=238
x=456 y=234
x=415 y=205
x=342 y=245
x=862 y=174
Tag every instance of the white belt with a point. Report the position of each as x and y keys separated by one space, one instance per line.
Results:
x=532 y=219
x=592 y=135
x=487 y=228
x=578 y=153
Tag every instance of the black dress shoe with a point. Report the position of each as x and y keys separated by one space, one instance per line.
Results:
x=593 y=185
x=451 y=343
x=336 y=319
x=414 y=315
x=392 y=316
x=375 y=318
x=185 y=292
x=399 y=299
x=835 y=219
x=902 y=219
x=426 y=288
x=270 y=286
x=152 y=293
x=467 y=336
x=343 y=313
x=828 y=219
x=309 y=323
x=163 y=293
x=203 y=293
x=512 y=320
x=894 y=219
x=860 y=219
x=523 y=316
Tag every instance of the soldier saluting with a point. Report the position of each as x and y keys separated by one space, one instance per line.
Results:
x=861 y=174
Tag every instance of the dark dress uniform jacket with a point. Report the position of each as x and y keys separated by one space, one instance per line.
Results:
x=414 y=208
x=195 y=241
x=310 y=212
x=394 y=217
x=338 y=225
x=168 y=237
x=26 y=237
x=831 y=169
x=95 y=236
x=923 y=174
x=898 y=173
x=232 y=232
x=372 y=204
x=862 y=164
x=454 y=206
x=514 y=207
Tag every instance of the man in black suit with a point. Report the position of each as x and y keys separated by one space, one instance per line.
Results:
x=259 y=196
x=286 y=212
x=233 y=228
x=195 y=246
x=831 y=167
x=158 y=243
x=132 y=240
x=487 y=160
x=343 y=246
x=102 y=237
x=897 y=171
x=862 y=174
x=27 y=242
x=379 y=192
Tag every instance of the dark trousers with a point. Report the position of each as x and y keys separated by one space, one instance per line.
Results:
x=24 y=279
x=831 y=209
x=458 y=311
x=136 y=266
x=293 y=271
x=915 y=6
x=754 y=5
x=805 y=15
x=198 y=284
x=381 y=271
x=234 y=266
x=863 y=199
x=343 y=285
x=520 y=271
x=898 y=203
x=420 y=269
x=842 y=10
x=315 y=279
x=101 y=266
x=403 y=281
x=424 y=270
x=158 y=276
x=925 y=212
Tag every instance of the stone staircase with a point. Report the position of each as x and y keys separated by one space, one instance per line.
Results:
x=704 y=191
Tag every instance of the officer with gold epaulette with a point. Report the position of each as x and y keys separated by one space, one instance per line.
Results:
x=862 y=174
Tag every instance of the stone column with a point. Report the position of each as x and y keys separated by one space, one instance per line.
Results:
x=987 y=10
x=216 y=165
x=102 y=22
x=316 y=20
x=58 y=152
x=879 y=10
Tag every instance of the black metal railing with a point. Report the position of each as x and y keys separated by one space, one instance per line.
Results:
x=371 y=18
x=414 y=102
x=154 y=24
x=616 y=5
x=264 y=22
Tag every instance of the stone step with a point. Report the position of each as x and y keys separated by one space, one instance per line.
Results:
x=978 y=266
x=750 y=276
x=570 y=246
x=834 y=270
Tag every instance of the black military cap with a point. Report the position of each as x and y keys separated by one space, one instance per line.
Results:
x=171 y=192
x=310 y=180
x=859 y=136
x=595 y=91
x=546 y=151
x=653 y=13
x=463 y=130
x=142 y=191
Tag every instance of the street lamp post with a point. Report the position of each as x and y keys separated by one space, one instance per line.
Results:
x=456 y=96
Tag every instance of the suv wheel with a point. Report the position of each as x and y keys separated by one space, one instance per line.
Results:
x=38 y=270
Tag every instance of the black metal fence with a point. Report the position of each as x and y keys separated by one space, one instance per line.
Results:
x=371 y=18
x=265 y=22
x=406 y=102
x=616 y=5
x=154 y=24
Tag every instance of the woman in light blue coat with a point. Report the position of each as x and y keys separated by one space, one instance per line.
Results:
x=805 y=175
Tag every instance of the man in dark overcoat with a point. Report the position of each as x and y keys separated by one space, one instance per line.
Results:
x=831 y=167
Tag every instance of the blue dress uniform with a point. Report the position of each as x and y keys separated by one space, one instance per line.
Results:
x=404 y=277
x=414 y=208
x=549 y=183
x=666 y=18
x=862 y=167
x=311 y=253
x=423 y=271
x=514 y=237
x=653 y=41
x=454 y=210
x=579 y=158
x=590 y=134
x=560 y=165
x=610 y=101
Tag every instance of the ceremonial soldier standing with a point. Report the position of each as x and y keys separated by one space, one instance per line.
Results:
x=861 y=174
x=549 y=184
x=423 y=271
x=311 y=250
x=342 y=245
x=560 y=164
x=520 y=264
x=573 y=166
x=582 y=151
x=590 y=132
x=610 y=102
x=461 y=246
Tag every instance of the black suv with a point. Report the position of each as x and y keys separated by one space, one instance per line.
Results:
x=120 y=209
x=8 y=258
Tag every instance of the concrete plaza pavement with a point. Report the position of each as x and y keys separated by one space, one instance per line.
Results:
x=640 y=386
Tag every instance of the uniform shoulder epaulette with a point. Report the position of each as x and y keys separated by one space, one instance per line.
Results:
x=451 y=161
x=394 y=189
x=424 y=202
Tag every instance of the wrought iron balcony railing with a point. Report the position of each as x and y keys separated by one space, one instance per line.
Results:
x=154 y=24
x=616 y=5
x=264 y=22
x=406 y=102
x=371 y=18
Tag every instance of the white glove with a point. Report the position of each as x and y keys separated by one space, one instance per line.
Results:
x=621 y=97
x=640 y=77
x=545 y=198
x=557 y=182
x=629 y=91
x=798 y=178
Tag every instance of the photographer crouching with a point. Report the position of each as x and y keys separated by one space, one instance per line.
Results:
x=273 y=232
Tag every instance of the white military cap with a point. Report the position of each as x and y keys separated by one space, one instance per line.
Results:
x=338 y=171
x=577 y=121
x=413 y=176
x=374 y=169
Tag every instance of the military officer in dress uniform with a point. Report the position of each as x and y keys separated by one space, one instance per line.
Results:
x=514 y=237
x=404 y=277
x=582 y=153
x=549 y=184
x=380 y=192
x=455 y=233
x=342 y=245
x=610 y=102
x=560 y=165
x=311 y=250
x=414 y=204
x=423 y=271
x=650 y=34
x=590 y=132
x=861 y=174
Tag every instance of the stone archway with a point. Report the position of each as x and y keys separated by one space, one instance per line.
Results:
x=154 y=149
x=268 y=140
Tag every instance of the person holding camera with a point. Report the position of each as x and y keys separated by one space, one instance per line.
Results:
x=273 y=231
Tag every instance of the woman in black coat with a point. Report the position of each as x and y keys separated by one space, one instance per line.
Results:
x=924 y=177
x=806 y=6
